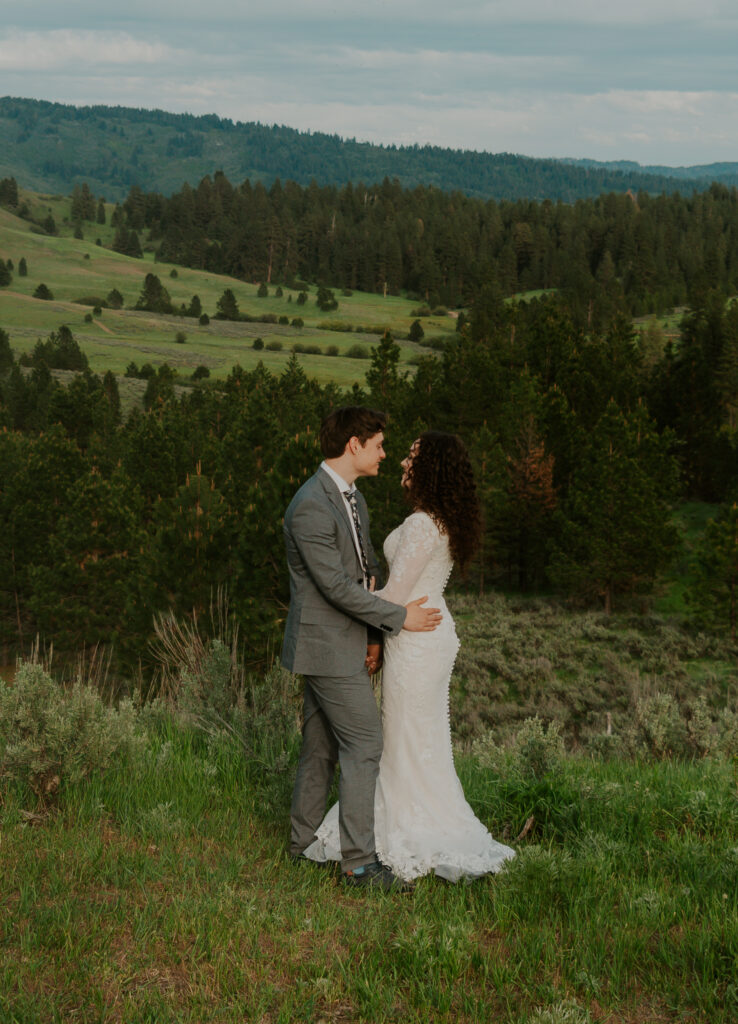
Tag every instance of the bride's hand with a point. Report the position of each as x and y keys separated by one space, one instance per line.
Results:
x=373 y=584
x=373 y=659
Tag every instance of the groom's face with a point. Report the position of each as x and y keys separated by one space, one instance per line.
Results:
x=368 y=456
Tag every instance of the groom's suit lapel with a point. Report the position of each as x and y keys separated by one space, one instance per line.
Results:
x=336 y=499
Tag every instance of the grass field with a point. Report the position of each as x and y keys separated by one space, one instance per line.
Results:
x=158 y=889
x=74 y=269
x=161 y=892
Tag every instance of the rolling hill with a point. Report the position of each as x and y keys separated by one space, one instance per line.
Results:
x=51 y=147
x=79 y=273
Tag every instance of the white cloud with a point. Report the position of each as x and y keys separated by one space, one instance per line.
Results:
x=62 y=48
x=440 y=62
x=654 y=102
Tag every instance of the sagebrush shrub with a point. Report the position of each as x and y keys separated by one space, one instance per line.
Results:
x=727 y=725
x=520 y=658
x=561 y=1013
x=657 y=728
x=210 y=690
x=701 y=729
x=208 y=687
x=535 y=750
x=260 y=712
x=51 y=735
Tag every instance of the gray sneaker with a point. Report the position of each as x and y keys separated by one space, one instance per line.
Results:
x=375 y=876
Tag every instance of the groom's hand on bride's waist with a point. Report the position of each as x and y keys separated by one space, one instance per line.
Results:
x=419 y=619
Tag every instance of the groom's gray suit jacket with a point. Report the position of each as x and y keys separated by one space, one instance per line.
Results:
x=326 y=630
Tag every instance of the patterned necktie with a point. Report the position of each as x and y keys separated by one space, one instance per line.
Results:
x=351 y=498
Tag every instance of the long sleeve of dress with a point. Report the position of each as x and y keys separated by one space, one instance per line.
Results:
x=418 y=537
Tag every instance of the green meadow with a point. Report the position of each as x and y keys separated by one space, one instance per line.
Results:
x=154 y=885
x=79 y=268
x=144 y=873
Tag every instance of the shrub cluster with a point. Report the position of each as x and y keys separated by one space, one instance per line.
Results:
x=534 y=751
x=604 y=680
x=51 y=736
x=207 y=687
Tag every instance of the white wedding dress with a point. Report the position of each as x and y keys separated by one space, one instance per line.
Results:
x=422 y=821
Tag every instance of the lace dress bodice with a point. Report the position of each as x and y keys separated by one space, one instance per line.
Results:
x=419 y=559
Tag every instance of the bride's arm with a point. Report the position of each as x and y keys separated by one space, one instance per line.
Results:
x=418 y=536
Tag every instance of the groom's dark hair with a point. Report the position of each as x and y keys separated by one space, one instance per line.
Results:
x=342 y=424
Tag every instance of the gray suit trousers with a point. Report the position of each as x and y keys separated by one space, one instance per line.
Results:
x=341 y=725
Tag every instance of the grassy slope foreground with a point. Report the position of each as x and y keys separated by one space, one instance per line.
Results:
x=162 y=892
x=159 y=889
x=75 y=269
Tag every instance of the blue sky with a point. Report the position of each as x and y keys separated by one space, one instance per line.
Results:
x=653 y=81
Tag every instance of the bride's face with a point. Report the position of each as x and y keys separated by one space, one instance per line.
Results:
x=407 y=463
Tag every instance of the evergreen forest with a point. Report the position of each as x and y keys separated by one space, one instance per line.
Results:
x=617 y=253
x=587 y=434
x=584 y=444
x=52 y=147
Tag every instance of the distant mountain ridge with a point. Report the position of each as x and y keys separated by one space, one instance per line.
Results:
x=51 y=147
x=726 y=172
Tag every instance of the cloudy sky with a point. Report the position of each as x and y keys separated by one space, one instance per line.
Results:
x=647 y=80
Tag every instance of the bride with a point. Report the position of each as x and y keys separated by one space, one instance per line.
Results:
x=422 y=820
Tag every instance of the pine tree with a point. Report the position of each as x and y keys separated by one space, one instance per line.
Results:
x=160 y=387
x=383 y=378
x=532 y=500
x=325 y=299
x=154 y=297
x=416 y=332
x=7 y=359
x=148 y=456
x=8 y=192
x=714 y=592
x=226 y=307
x=85 y=590
x=260 y=586
x=37 y=474
x=192 y=550
x=120 y=240
x=726 y=376
x=615 y=530
x=60 y=351
x=489 y=461
x=134 y=246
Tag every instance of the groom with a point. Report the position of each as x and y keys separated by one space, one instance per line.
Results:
x=331 y=563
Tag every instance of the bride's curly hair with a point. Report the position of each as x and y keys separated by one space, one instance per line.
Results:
x=441 y=483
